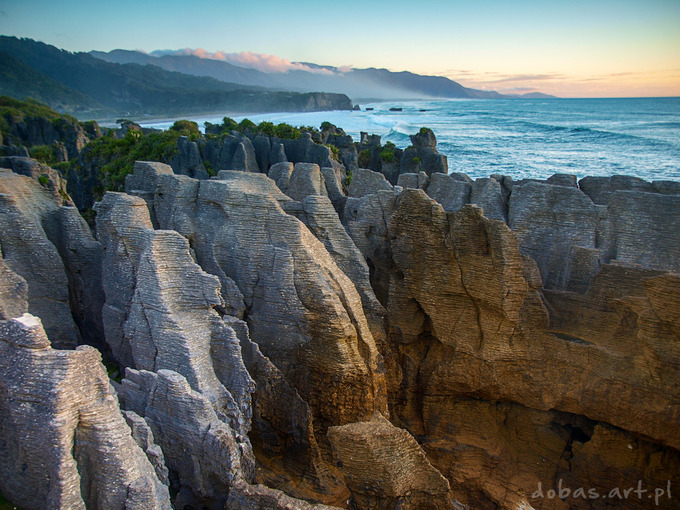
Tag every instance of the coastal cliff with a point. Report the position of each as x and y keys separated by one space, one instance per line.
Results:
x=282 y=337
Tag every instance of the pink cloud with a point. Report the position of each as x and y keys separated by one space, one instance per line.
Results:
x=259 y=61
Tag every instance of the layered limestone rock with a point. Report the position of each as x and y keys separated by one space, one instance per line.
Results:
x=386 y=468
x=26 y=207
x=165 y=314
x=63 y=440
x=302 y=310
x=466 y=319
x=255 y=497
x=199 y=448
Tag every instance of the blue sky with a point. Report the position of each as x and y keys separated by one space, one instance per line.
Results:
x=576 y=48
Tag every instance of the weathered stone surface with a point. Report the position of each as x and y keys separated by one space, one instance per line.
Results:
x=548 y=220
x=478 y=327
x=143 y=436
x=321 y=219
x=306 y=179
x=188 y=160
x=244 y=157
x=599 y=189
x=487 y=194
x=367 y=182
x=496 y=454
x=452 y=194
x=24 y=206
x=423 y=155
x=643 y=228
x=334 y=189
x=386 y=468
x=280 y=173
x=13 y=293
x=563 y=180
x=144 y=181
x=63 y=440
x=283 y=435
x=262 y=146
x=82 y=257
x=167 y=309
x=199 y=448
x=259 y=497
x=414 y=181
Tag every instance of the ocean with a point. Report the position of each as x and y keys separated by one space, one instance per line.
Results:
x=522 y=138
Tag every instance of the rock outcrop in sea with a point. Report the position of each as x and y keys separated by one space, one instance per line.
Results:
x=280 y=337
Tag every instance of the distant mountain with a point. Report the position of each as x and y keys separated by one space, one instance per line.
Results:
x=356 y=83
x=537 y=95
x=135 y=90
x=21 y=81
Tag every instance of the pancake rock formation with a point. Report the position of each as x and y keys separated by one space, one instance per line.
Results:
x=280 y=337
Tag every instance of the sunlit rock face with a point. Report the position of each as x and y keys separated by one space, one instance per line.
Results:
x=63 y=439
x=441 y=343
x=492 y=370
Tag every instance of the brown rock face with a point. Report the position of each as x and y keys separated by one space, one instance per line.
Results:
x=507 y=384
x=386 y=468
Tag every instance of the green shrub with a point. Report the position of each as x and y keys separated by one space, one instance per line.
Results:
x=335 y=152
x=247 y=125
x=266 y=128
x=187 y=128
x=286 y=131
x=416 y=161
x=44 y=180
x=42 y=153
x=327 y=126
x=387 y=155
x=364 y=158
x=424 y=130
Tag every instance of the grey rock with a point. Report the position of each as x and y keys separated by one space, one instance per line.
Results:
x=487 y=194
x=27 y=251
x=367 y=182
x=197 y=445
x=459 y=176
x=334 y=189
x=321 y=219
x=451 y=194
x=144 y=181
x=280 y=173
x=188 y=160
x=563 y=180
x=63 y=439
x=82 y=258
x=277 y=154
x=548 y=220
x=414 y=181
x=143 y=436
x=600 y=188
x=306 y=179
x=164 y=281
x=262 y=146
x=644 y=229
x=244 y=157
x=13 y=293
x=667 y=187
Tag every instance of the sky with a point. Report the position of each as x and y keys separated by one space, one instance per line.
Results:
x=622 y=48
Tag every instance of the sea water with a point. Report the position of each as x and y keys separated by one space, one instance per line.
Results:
x=523 y=138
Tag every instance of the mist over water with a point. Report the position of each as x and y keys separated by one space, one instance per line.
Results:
x=524 y=138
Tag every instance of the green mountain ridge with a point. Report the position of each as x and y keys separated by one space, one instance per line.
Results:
x=135 y=90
